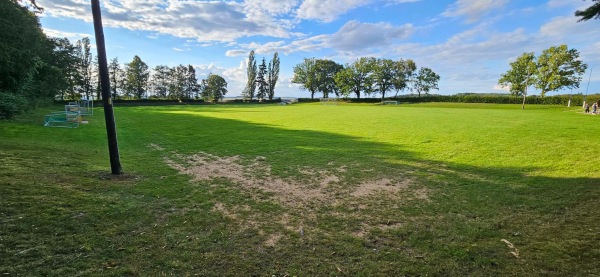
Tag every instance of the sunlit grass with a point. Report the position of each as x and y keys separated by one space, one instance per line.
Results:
x=474 y=174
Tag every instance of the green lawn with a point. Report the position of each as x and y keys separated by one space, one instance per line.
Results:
x=305 y=189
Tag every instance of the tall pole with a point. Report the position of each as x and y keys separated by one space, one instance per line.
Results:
x=109 y=116
x=588 y=86
x=526 y=85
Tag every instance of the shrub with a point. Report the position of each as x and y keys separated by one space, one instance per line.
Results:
x=11 y=105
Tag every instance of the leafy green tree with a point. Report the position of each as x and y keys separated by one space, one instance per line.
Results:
x=384 y=72
x=305 y=76
x=273 y=75
x=84 y=57
x=425 y=81
x=261 y=82
x=357 y=77
x=325 y=71
x=160 y=81
x=30 y=72
x=214 y=87
x=66 y=62
x=21 y=41
x=404 y=72
x=177 y=82
x=591 y=12
x=558 y=67
x=115 y=73
x=191 y=87
x=136 y=78
x=251 y=72
x=520 y=75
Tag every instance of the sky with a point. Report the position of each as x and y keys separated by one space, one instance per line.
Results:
x=469 y=43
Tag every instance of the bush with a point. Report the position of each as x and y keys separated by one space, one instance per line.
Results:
x=11 y=105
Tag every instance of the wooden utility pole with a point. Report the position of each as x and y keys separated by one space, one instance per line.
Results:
x=109 y=116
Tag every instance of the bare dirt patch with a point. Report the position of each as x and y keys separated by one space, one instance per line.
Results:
x=304 y=195
x=256 y=174
x=381 y=185
x=155 y=147
x=273 y=240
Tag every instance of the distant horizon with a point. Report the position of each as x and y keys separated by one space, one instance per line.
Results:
x=469 y=43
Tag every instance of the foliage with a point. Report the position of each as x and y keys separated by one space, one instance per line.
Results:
x=251 y=72
x=403 y=74
x=32 y=67
x=11 y=105
x=191 y=88
x=357 y=77
x=84 y=68
x=214 y=87
x=520 y=75
x=273 y=75
x=305 y=76
x=592 y=11
x=325 y=71
x=425 y=81
x=557 y=68
x=136 y=78
x=384 y=73
x=261 y=81
x=115 y=73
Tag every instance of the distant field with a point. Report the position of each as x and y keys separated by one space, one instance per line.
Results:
x=305 y=189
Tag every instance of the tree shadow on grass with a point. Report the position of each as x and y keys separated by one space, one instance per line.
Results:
x=470 y=207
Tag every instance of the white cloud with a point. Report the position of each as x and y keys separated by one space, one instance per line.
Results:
x=473 y=10
x=354 y=36
x=204 y=21
x=62 y=34
x=327 y=10
x=236 y=53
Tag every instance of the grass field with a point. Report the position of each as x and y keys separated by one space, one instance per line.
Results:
x=305 y=190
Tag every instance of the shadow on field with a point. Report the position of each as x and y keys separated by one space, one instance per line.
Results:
x=166 y=226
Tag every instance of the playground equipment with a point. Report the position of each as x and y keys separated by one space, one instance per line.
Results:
x=72 y=116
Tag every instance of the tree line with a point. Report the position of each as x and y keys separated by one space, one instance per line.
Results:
x=367 y=76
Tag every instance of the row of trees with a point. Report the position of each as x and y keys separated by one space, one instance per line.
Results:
x=555 y=68
x=135 y=80
x=264 y=78
x=366 y=75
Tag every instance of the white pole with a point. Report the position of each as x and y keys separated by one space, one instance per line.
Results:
x=588 y=87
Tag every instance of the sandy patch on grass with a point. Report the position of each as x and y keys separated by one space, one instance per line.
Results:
x=256 y=174
x=155 y=147
x=303 y=196
x=380 y=185
x=273 y=239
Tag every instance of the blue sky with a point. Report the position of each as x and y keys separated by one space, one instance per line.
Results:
x=469 y=43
